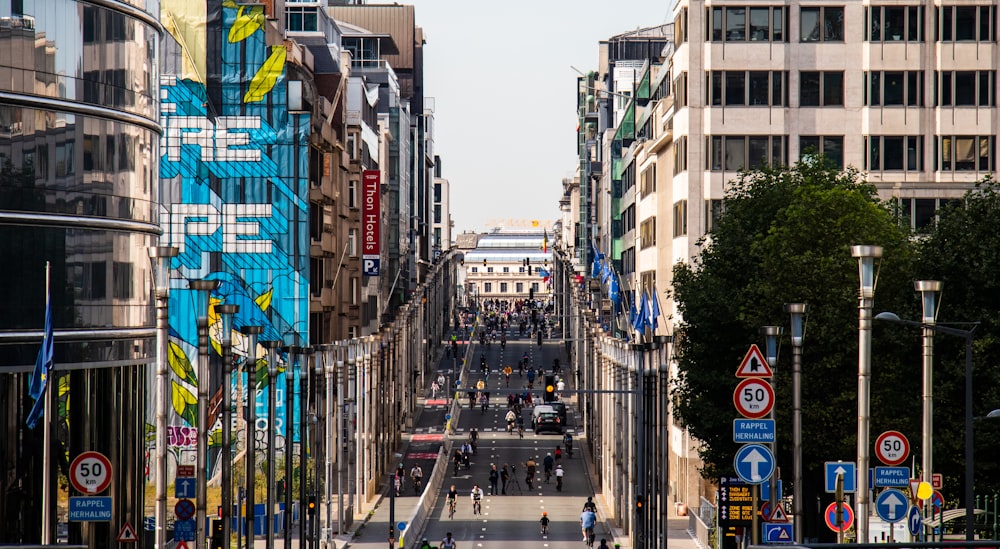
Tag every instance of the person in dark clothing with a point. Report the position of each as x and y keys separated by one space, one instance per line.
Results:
x=494 y=478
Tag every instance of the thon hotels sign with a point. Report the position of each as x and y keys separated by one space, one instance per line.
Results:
x=371 y=228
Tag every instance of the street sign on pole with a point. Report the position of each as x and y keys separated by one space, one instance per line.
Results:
x=753 y=398
x=90 y=509
x=185 y=487
x=127 y=534
x=753 y=364
x=778 y=532
x=754 y=463
x=914 y=522
x=846 y=468
x=892 y=477
x=184 y=530
x=90 y=473
x=747 y=431
x=892 y=448
x=892 y=505
x=846 y=517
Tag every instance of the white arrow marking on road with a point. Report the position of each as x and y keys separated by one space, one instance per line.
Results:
x=892 y=502
x=755 y=458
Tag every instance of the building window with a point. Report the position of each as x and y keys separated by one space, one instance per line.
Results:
x=680 y=27
x=680 y=154
x=506 y=269
x=355 y=294
x=747 y=88
x=735 y=152
x=121 y=274
x=534 y=286
x=680 y=218
x=964 y=153
x=894 y=88
x=437 y=192
x=895 y=23
x=475 y=269
x=966 y=24
x=713 y=211
x=831 y=146
x=965 y=88
x=352 y=194
x=824 y=24
x=519 y=287
x=821 y=89
x=731 y=23
x=647 y=233
x=680 y=89
x=520 y=269
x=489 y=269
x=648 y=181
x=487 y=287
x=503 y=287
x=352 y=242
x=894 y=152
x=301 y=18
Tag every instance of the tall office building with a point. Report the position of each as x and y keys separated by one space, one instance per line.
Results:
x=79 y=141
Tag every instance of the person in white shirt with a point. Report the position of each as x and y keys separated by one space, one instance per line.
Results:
x=477 y=497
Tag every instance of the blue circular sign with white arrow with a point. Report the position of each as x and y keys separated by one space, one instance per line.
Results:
x=754 y=463
x=914 y=521
x=892 y=505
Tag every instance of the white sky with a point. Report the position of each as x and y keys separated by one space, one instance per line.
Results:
x=505 y=95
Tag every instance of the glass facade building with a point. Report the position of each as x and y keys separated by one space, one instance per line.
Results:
x=79 y=141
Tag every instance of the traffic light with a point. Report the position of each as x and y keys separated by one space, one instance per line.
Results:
x=531 y=292
x=484 y=262
x=311 y=505
x=550 y=389
x=639 y=501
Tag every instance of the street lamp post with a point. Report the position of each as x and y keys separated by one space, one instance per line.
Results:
x=251 y=427
x=272 y=379
x=928 y=300
x=160 y=257
x=772 y=334
x=226 y=313
x=798 y=312
x=970 y=520
x=203 y=289
x=866 y=255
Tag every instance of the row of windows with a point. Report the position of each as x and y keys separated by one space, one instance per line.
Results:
x=826 y=88
x=503 y=269
x=826 y=24
x=882 y=152
x=504 y=287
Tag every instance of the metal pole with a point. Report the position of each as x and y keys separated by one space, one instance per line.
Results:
x=293 y=356
x=226 y=312
x=341 y=472
x=866 y=297
x=330 y=436
x=797 y=311
x=251 y=428
x=304 y=541
x=928 y=297
x=639 y=351
x=160 y=258
x=203 y=289
x=272 y=430
x=772 y=335
x=970 y=517
x=319 y=431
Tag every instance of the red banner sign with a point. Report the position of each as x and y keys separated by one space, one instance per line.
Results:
x=371 y=228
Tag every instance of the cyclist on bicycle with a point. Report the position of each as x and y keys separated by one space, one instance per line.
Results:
x=587 y=522
x=452 y=499
x=417 y=475
x=544 y=521
x=510 y=417
x=590 y=505
x=568 y=443
x=477 y=497
x=448 y=542
x=547 y=464
x=604 y=544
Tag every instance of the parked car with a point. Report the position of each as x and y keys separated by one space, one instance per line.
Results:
x=548 y=422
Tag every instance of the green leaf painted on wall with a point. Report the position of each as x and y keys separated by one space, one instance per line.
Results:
x=267 y=76
x=248 y=21
x=185 y=403
x=180 y=364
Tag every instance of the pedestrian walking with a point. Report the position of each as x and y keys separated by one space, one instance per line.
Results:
x=504 y=479
x=494 y=479
x=529 y=475
x=434 y=389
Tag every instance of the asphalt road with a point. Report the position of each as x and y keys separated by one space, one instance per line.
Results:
x=513 y=518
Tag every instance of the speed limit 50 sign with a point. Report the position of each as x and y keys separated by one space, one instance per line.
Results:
x=90 y=473
x=753 y=398
x=892 y=448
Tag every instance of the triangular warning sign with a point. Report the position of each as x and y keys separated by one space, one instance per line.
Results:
x=127 y=535
x=778 y=515
x=754 y=365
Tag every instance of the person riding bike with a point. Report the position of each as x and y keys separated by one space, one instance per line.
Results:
x=452 y=499
x=544 y=521
x=547 y=464
x=448 y=542
x=588 y=519
x=568 y=442
x=477 y=497
x=510 y=417
x=559 y=477
x=590 y=505
x=604 y=544
x=417 y=476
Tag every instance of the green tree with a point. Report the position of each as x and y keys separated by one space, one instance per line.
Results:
x=963 y=251
x=785 y=237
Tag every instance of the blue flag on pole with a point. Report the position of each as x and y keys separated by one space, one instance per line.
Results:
x=632 y=312
x=614 y=292
x=642 y=319
x=654 y=311
x=43 y=366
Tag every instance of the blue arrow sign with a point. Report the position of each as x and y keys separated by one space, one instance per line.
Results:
x=892 y=477
x=913 y=521
x=753 y=430
x=778 y=532
x=850 y=476
x=891 y=505
x=184 y=488
x=754 y=463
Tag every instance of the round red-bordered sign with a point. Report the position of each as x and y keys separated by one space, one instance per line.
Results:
x=847 y=520
x=753 y=398
x=892 y=448
x=90 y=473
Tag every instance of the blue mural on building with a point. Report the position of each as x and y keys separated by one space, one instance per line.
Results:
x=235 y=176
